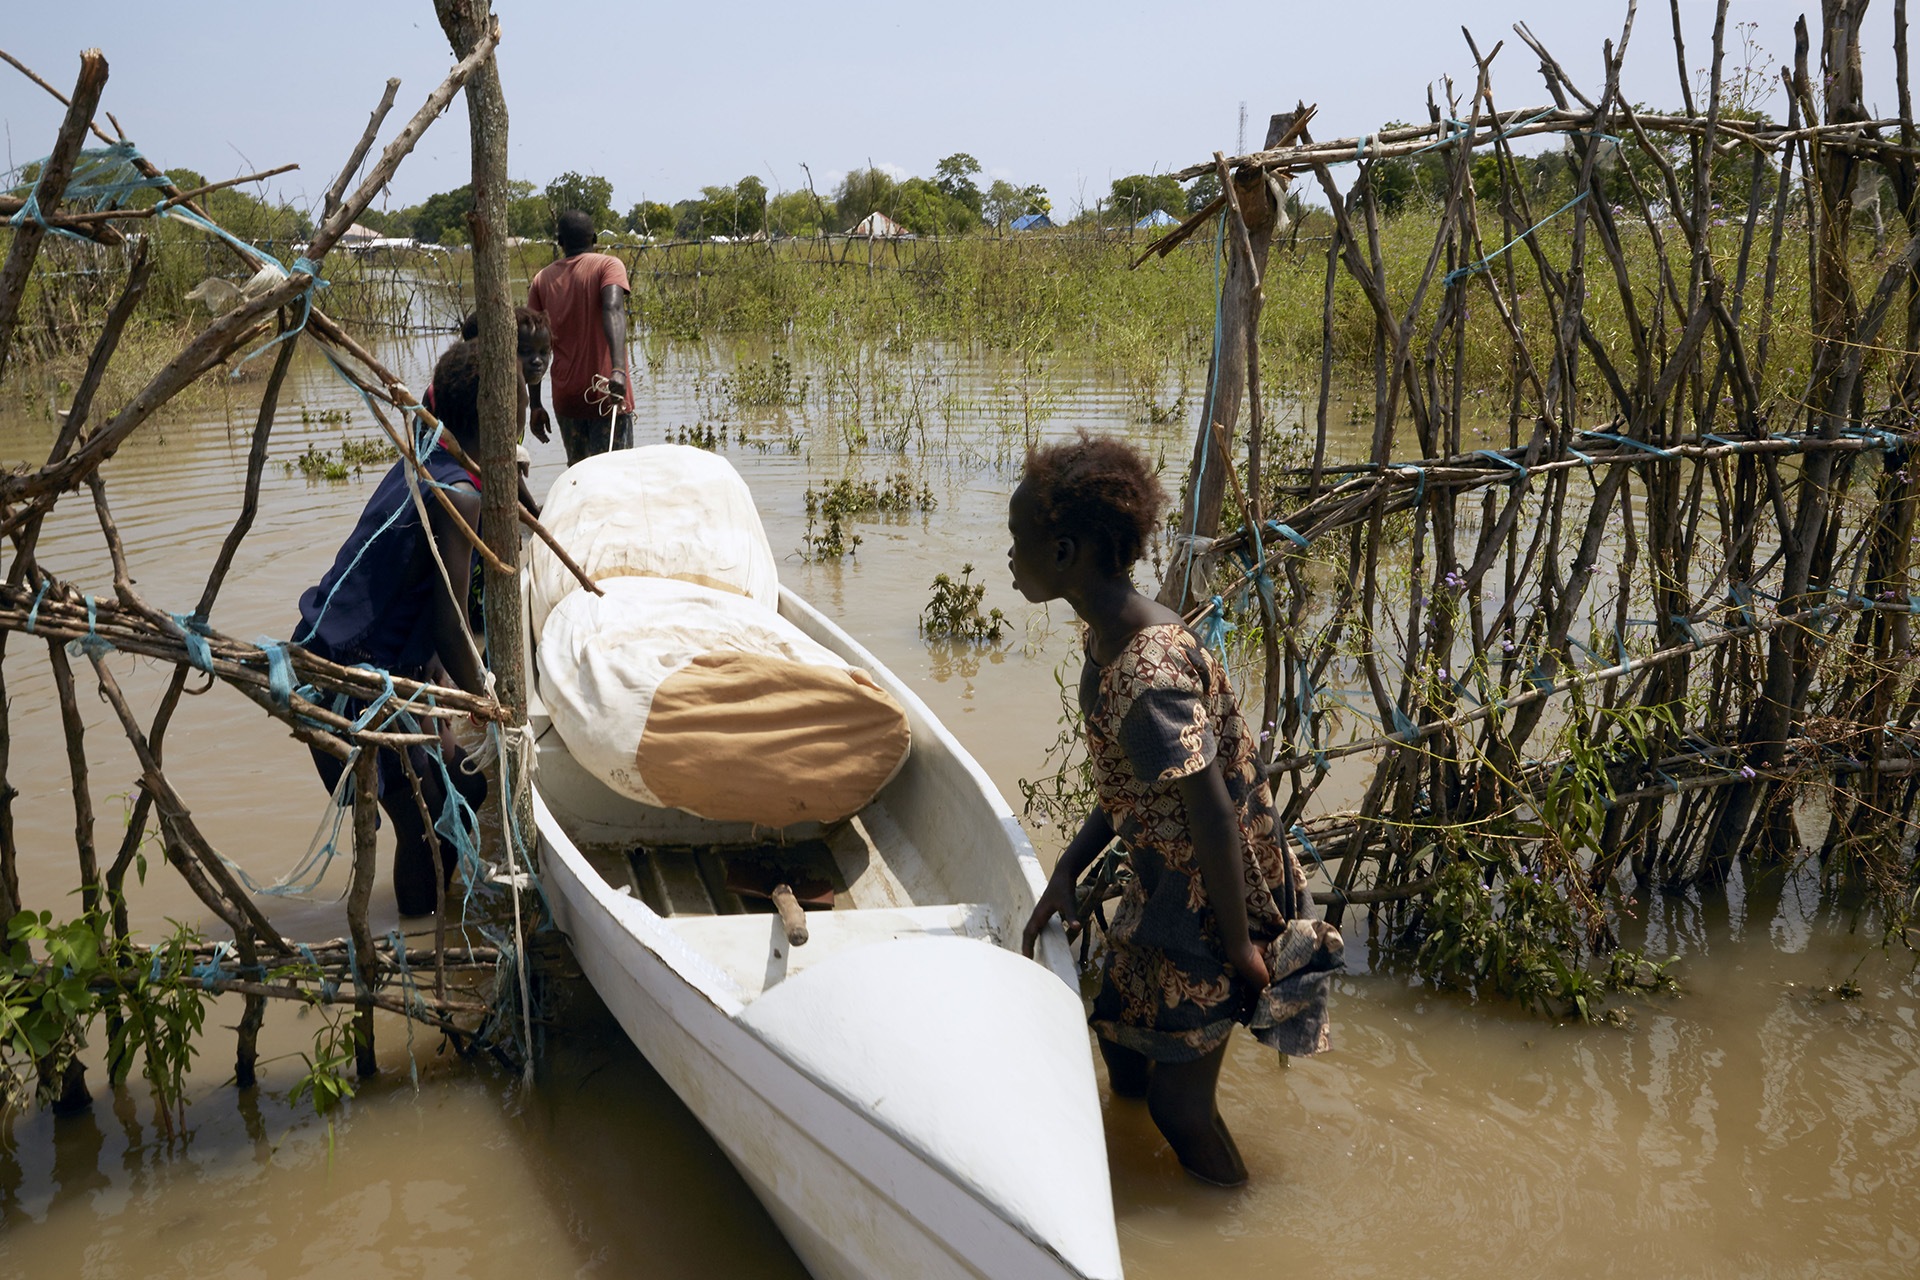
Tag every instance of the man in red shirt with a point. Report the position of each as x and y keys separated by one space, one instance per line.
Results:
x=585 y=298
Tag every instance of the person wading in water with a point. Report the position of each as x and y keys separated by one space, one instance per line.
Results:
x=585 y=298
x=1211 y=929
x=384 y=603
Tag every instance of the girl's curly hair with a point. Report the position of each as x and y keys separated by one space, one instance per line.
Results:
x=1099 y=488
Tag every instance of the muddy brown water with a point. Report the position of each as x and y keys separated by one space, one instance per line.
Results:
x=1759 y=1125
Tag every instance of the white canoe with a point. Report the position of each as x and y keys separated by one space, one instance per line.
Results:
x=907 y=1095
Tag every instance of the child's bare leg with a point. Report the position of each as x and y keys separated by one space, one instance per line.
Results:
x=1180 y=1100
x=1128 y=1070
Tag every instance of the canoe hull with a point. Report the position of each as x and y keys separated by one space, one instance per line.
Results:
x=853 y=1201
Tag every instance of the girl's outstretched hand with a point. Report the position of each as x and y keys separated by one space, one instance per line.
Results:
x=1057 y=900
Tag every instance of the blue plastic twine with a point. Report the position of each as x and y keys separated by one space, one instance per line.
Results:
x=1213 y=388
x=279 y=671
x=93 y=645
x=194 y=630
x=1214 y=626
x=1461 y=273
x=33 y=614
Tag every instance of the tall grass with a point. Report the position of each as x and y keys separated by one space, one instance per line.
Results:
x=1037 y=297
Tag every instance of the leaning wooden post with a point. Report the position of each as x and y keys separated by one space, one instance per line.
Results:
x=465 y=21
x=1199 y=514
x=48 y=188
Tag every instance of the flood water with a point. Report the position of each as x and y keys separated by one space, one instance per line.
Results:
x=1759 y=1125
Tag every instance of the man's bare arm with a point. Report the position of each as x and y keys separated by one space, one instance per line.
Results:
x=613 y=322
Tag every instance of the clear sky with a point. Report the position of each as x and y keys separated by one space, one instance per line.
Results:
x=664 y=100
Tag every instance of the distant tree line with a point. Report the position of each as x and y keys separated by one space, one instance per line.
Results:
x=951 y=202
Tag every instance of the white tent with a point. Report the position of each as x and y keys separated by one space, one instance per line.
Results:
x=880 y=225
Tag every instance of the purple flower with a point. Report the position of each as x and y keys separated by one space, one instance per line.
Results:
x=1746 y=771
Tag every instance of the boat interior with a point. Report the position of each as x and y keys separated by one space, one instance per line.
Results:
x=915 y=862
x=859 y=882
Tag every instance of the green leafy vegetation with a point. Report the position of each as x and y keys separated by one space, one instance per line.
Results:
x=589 y=193
x=83 y=974
x=953 y=612
x=1065 y=796
x=352 y=457
x=1136 y=196
x=832 y=507
x=768 y=383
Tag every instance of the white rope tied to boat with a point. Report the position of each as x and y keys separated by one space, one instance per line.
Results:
x=513 y=746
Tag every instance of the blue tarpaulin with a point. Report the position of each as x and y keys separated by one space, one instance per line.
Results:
x=1031 y=222
x=1158 y=218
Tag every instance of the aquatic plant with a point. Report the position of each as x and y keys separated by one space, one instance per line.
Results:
x=953 y=611
x=699 y=436
x=767 y=384
x=829 y=534
x=351 y=459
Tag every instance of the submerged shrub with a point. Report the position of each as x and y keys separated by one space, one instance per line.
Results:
x=954 y=611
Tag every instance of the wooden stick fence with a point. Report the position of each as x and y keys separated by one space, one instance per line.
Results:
x=1763 y=540
x=295 y=687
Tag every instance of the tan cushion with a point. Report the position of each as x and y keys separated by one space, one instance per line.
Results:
x=730 y=734
x=681 y=696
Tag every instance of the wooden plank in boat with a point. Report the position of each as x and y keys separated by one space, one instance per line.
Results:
x=670 y=877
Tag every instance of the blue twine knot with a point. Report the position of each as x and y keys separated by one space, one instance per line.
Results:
x=1289 y=533
x=194 y=630
x=1520 y=471
x=1642 y=445
x=210 y=973
x=34 y=613
x=326 y=988
x=279 y=671
x=102 y=176
x=301 y=266
x=1214 y=626
x=93 y=645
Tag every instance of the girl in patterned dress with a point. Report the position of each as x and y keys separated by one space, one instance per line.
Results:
x=1212 y=929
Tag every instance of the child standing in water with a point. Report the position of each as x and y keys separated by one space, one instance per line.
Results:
x=1212 y=929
